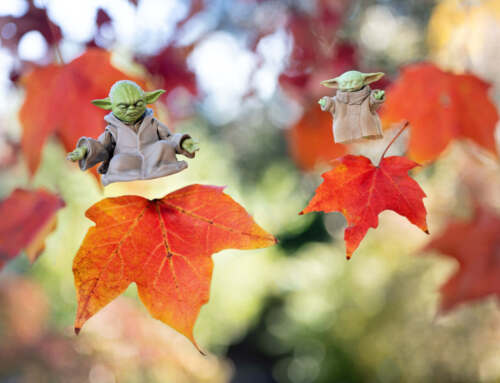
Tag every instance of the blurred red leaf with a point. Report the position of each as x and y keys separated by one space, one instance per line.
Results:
x=28 y=217
x=441 y=107
x=475 y=244
x=165 y=247
x=102 y=17
x=171 y=68
x=361 y=191
x=310 y=140
x=303 y=81
x=317 y=53
x=304 y=52
x=25 y=327
x=104 y=35
x=58 y=102
x=35 y=19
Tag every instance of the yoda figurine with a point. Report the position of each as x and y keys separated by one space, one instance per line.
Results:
x=354 y=106
x=134 y=145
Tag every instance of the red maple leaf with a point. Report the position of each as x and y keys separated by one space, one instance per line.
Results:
x=361 y=191
x=165 y=247
x=441 y=107
x=475 y=244
x=28 y=216
x=58 y=102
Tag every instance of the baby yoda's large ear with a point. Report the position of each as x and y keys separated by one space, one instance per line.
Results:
x=103 y=103
x=372 y=77
x=152 y=96
x=332 y=83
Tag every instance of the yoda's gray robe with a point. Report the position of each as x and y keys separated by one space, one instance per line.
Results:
x=355 y=115
x=140 y=152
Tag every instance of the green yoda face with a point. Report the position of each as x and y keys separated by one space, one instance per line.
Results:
x=352 y=81
x=127 y=100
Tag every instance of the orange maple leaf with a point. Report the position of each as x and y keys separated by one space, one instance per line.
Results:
x=441 y=107
x=310 y=140
x=475 y=244
x=165 y=247
x=361 y=191
x=58 y=102
x=28 y=216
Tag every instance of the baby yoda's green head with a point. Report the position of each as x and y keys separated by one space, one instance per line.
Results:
x=352 y=80
x=127 y=100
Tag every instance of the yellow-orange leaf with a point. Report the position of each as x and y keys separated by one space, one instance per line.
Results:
x=165 y=247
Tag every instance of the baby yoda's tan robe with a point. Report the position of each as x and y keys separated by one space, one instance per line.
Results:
x=355 y=115
x=127 y=154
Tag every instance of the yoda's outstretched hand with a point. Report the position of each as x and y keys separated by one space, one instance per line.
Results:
x=190 y=145
x=77 y=154
x=323 y=102
x=378 y=94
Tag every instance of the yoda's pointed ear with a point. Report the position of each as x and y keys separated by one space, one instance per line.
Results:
x=332 y=83
x=152 y=96
x=372 y=77
x=103 y=103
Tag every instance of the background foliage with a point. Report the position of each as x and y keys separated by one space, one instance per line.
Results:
x=242 y=77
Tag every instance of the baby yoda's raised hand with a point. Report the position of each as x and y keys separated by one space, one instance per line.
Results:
x=323 y=102
x=378 y=94
x=77 y=154
x=190 y=145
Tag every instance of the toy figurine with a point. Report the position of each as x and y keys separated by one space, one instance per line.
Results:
x=134 y=145
x=354 y=106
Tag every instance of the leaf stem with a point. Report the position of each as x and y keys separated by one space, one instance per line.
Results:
x=405 y=125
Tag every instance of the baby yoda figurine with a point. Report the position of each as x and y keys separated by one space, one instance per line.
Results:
x=134 y=145
x=354 y=106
